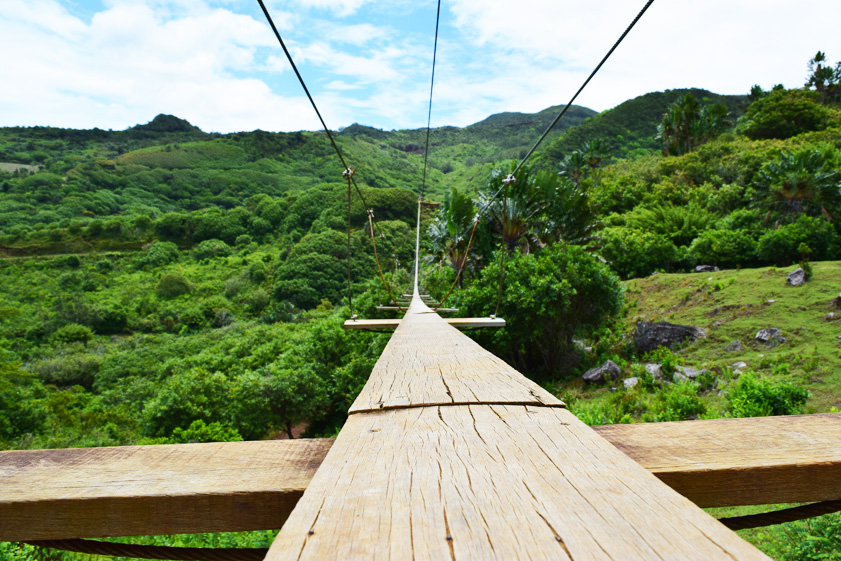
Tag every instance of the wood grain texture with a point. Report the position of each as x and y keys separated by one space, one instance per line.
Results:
x=727 y=462
x=393 y=323
x=132 y=490
x=60 y=494
x=428 y=362
x=503 y=482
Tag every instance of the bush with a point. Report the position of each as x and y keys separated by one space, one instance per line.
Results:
x=172 y=285
x=73 y=332
x=199 y=431
x=784 y=113
x=186 y=397
x=725 y=248
x=752 y=396
x=78 y=369
x=679 y=402
x=547 y=299
x=211 y=248
x=160 y=253
x=784 y=245
x=636 y=253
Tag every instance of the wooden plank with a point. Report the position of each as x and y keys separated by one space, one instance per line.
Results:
x=395 y=309
x=728 y=462
x=503 y=482
x=482 y=480
x=393 y=323
x=55 y=494
x=133 y=490
x=461 y=371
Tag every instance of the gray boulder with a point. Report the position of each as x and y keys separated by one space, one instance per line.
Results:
x=607 y=371
x=687 y=373
x=733 y=346
x=796 y=277
x=654 y=370
x=650 y=335
x=831 y=316
x=739 y=366
x=706 y=269
x=770 y=336
x=629 y=383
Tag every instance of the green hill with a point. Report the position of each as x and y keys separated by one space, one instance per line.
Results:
x=629 y=129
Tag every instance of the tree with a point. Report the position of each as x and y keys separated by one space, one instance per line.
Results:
x=783 y=114
x=806 y=180
x=283 y=397
x=548 y=299
x=451 y=229
x=686 y=124
x=824 y=78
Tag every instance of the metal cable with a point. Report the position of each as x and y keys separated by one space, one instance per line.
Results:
x=113 y=549
x=429 y=113
x=461 y=266
x=781 y=516
x=349 y=291
x=377 y=258
x=312 y=101
x=568 y=105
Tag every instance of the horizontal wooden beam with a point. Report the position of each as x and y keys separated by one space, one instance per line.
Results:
x=395 y=309
x=133 y=490
x=136 y=490
x=729 y=462
x=393 y=323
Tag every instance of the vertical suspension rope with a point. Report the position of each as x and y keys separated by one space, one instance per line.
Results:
x=348 y=173
x=379 y=267
x=461 y=266
x=426 y=148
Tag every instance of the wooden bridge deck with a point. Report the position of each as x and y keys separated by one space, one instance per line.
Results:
x=437 y=470
x=228 y=486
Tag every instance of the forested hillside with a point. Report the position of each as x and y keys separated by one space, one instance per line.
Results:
x=164 y=284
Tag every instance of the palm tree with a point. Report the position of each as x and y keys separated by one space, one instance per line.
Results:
x=802 y=181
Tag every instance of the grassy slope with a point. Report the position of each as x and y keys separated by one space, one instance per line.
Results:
x=733 y=305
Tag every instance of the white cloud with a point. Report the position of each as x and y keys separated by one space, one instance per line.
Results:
x=340 y=8
x=130 y=63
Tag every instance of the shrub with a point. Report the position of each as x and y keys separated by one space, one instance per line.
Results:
x=160 y=253
x=186 y=397
x=547 y=298
x=199 y=431
x=637 y=253
x=211 y=248
x=73 y=332
x=783 y=246
x=73 y=261
x=679 y=402
x=78 y=369
x=172 y=285
x=784 y=113
x=752 y=396
x=725 y=248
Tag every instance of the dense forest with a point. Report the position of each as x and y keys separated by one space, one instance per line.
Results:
x=165 y=285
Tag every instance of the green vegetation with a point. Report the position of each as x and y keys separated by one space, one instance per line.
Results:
x=164 y=285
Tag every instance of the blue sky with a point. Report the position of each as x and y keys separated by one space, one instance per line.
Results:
x=116 y=63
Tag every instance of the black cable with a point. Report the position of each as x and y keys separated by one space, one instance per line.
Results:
x=568 y=105
x=312 y=101
x=429 y=114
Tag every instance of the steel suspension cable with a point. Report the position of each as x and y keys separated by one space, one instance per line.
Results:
x=348 y=172
x=312 y=101
x=571 y=101
x=426 y=147
x=429 y=112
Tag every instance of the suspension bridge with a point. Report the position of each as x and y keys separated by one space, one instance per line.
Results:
x=447 y=453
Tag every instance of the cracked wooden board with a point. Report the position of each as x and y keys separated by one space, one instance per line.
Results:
x=133 y=490
x=727 y=462
x=447 y=367
x=503 y=482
